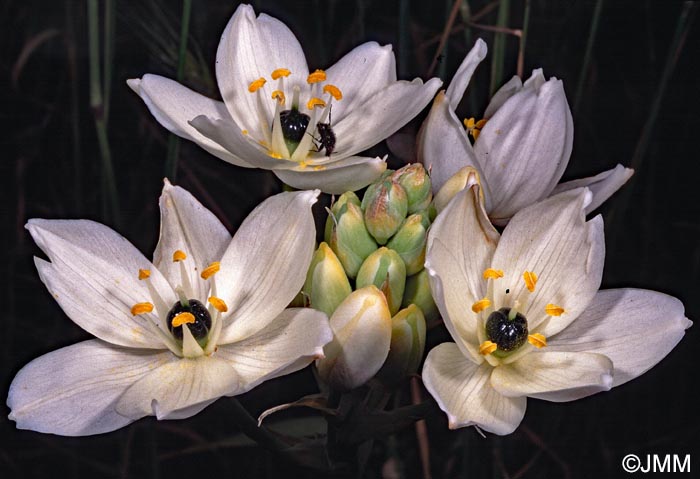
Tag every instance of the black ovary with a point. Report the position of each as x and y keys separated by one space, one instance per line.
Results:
x=202 y=319
x=506 y=333
x=294 y=124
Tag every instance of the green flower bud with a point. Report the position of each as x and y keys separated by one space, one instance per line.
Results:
x=347 y=197
x=350 y=240
x=407 y=345
x=361 y=337
x=326 y=283
x=384 y=269
x=418 y=292
x=416 y=182
x=454 y=185
x=385 y=205
x=409 y=242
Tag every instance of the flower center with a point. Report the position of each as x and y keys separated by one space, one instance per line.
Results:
x=193 y=314
x=508 y=331
x=297 y=128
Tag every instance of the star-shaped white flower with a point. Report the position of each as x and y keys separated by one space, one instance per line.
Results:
x=526 y=314
x=521 y=147
x=305 y=127
x=205 y=319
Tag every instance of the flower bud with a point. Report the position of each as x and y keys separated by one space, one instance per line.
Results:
x=418 y=292
x=361 y=337
x=457 y=182
x=350 y=240
x=409 y=242
x=326 y=283
x=346 y=197
x=416 y=182
x=407 y=345
x=385 y=205
x=384 y=269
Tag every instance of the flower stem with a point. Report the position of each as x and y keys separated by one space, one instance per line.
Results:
x=587 y=56
x=499 y=46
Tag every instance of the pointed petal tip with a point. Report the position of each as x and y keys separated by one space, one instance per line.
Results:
x=134 y=84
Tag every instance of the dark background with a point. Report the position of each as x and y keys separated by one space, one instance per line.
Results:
x=636 y=107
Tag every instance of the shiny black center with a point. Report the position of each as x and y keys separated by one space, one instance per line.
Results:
x=508 y=334
x=294 y=124
x=202 y=319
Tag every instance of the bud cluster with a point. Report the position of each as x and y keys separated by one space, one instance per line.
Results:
x=376 y=242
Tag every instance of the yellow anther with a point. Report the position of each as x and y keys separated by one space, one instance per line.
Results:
x=474 y=127
x=481 y=305
x=219 y=304
x=554 y=310
x=319 y=168
x=280 y=72
x=278 y=95
x=274 y=155
x=487 y=347
x=317 y=76
x=480 y=124
x=244 y=132
x=530 y=280
x=303 y=164
x=256 y=85
x=491 y=273
x=314 y=102
x=469 y=123
x=144 y=273
x=475 y=133
x=211 y=270
x=141 y=308
x=537 y=340
x=334 y=91
x=183 y=318
x=179 y=255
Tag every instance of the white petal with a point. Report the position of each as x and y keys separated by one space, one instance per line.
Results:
x=462 y=389
x=186 y=225
x=603 y=185
x=251 y=48
x=73 y=391
x=443 y=146
x=348 y=174
x=290 y=342
x=93 y=275
x=554 y=376
x=464 y=73
x=360 y=74
x=635 y=328
x=265 y=265
x=512 y=86
x=179 y=389
x=382 y=115
x=361 y=327
x=525 y=147
x=461 y=243
x=553 y=240
x=230 y=137
x=174 y=105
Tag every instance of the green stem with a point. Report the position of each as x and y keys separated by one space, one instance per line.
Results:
x=108 y=56
x=523 y=39
x=587 y=56
x=499 y=47
x=174 y=140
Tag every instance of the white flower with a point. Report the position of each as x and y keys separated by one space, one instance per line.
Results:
x=521 y=148
x=559 y=338
x=230 y=293
x=272 y=106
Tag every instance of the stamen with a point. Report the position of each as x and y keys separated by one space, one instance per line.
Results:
x=211 y=270
x=487 y=347
x=183 y=318
x=316 y=77
x=314 y=102
x=333 y=91
x=481 y=305
x=280 y=72
x=319 y=168
x=179 y=255
x=219 y=304
x=144 y=274
x=537 y=340
x=491 y=273
x=279 y=96
x=530 y=280
x=554 y=310
x=244 y=132
x=141 y=308
x=469 y=123
x=256 y=85
x=480 y=124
